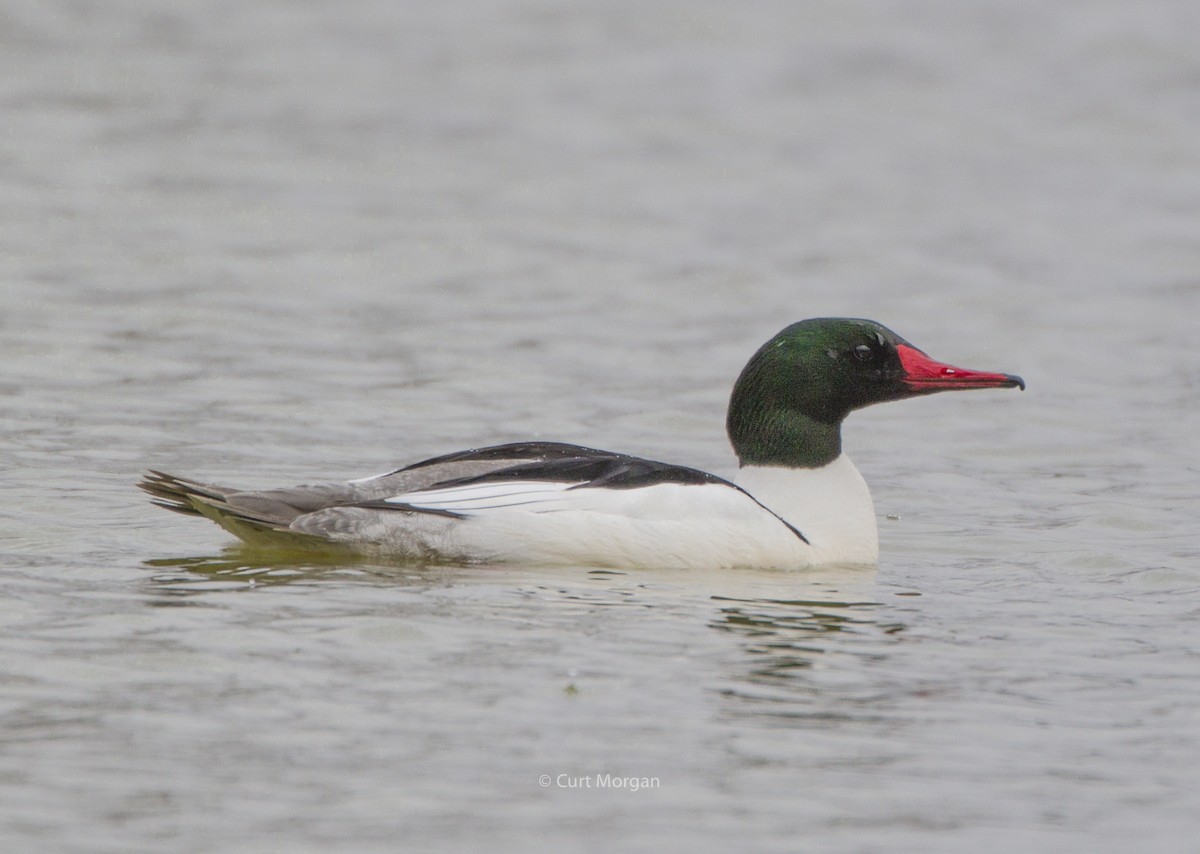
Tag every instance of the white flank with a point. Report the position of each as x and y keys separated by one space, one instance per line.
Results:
x=666 y=524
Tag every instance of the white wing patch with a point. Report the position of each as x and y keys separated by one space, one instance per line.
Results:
x=374 y=476
x=486 y=496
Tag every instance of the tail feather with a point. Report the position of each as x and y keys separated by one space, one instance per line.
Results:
x=193 y=498
x=177 y=493
x=319 y=517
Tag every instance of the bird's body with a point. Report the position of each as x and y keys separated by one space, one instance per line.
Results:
x=797 y=500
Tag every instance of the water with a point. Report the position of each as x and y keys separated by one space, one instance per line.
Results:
x=275 y=242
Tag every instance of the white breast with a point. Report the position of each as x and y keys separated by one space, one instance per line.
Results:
x=831 y=506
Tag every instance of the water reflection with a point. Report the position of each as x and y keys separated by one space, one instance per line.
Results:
x=241 y=568
x=805 y=659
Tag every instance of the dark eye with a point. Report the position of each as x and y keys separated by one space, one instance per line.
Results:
x=863 y=353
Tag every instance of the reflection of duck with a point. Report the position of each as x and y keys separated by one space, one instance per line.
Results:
x=785 y=635
x=240 y=567
x=797 y=500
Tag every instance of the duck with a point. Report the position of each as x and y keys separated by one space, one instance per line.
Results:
x=796 y=501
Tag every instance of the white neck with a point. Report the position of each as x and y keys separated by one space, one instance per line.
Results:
x=831 y=506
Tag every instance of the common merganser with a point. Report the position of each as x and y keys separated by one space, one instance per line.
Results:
x=797 y=500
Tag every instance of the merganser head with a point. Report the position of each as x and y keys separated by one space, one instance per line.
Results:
x=789 y=402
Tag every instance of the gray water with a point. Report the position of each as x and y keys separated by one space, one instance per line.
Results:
x=266 y=243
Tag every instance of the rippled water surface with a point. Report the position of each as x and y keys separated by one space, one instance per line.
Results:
x=271 y=243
